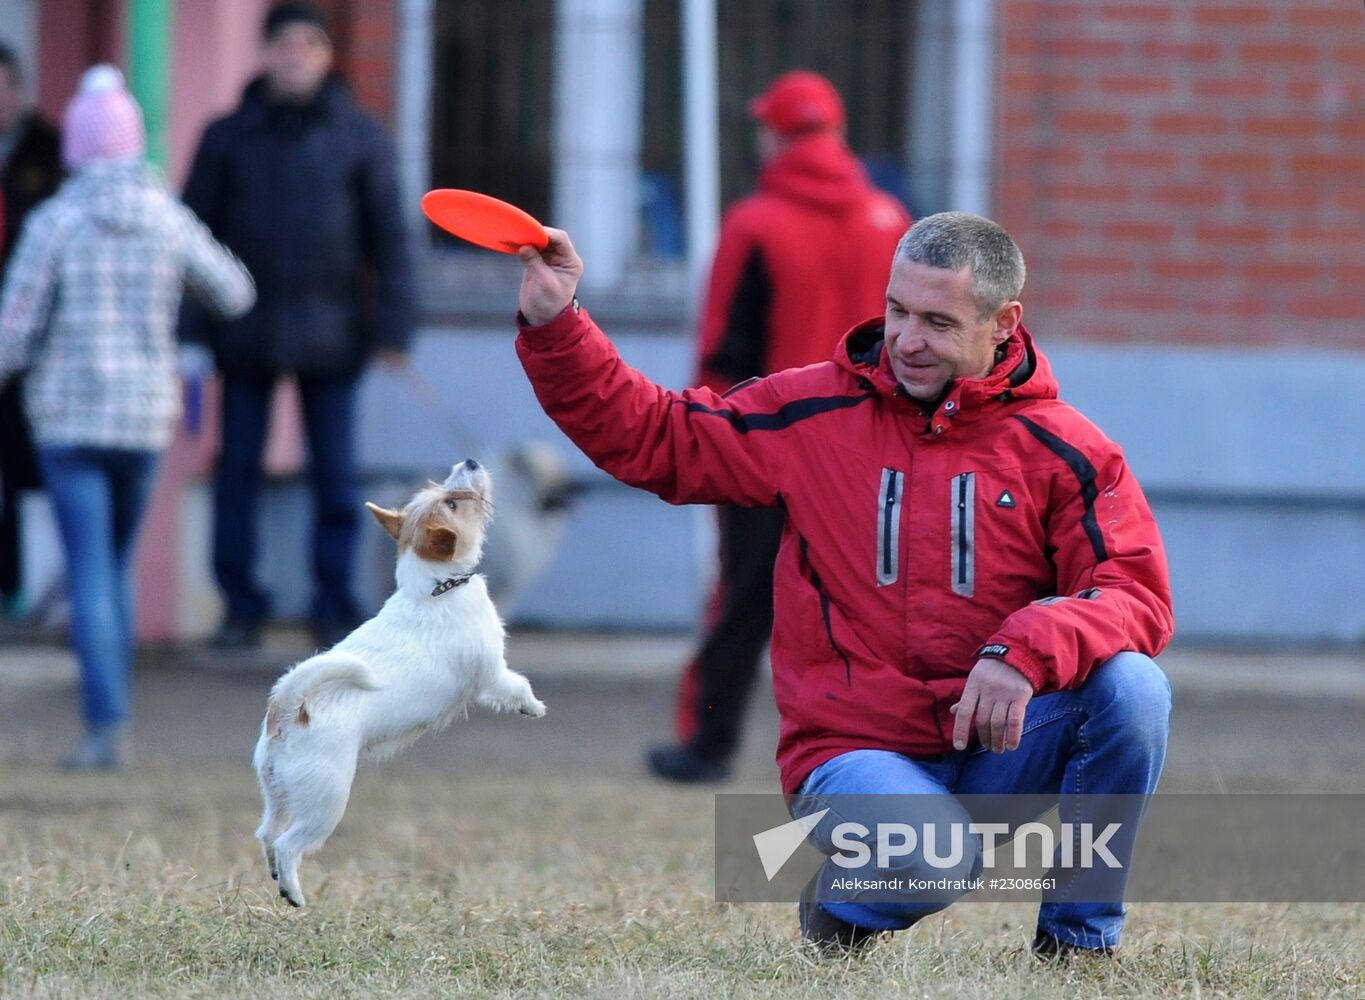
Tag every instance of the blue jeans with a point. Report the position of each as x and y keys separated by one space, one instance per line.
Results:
x=1106 y=737
x=329 y=422
x=99 y=496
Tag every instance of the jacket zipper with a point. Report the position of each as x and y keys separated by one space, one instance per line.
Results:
x=964 y=534
x=889 y=527
x=814 y=578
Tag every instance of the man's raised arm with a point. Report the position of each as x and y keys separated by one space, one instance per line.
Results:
x=690 y=447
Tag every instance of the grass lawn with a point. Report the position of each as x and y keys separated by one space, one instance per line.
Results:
x=151 y=885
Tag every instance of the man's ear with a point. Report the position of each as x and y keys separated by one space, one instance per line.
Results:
x=436 y=543
x=391 y=520
x=1007 y=321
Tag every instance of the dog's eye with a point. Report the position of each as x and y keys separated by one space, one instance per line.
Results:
x=452 y=504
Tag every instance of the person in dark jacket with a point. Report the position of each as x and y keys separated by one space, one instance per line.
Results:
x=798 y=262
x=30 y=170
x=971 y=585
x=301 y=185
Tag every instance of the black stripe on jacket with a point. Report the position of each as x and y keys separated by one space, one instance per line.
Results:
x=1085 y=474
x=786 y=415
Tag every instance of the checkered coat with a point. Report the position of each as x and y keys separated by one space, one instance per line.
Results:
x=90 y=304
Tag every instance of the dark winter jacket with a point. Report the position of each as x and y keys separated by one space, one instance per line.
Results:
x=32 y=173
x=307 y=197
x=1002 y=524
x=798 y=263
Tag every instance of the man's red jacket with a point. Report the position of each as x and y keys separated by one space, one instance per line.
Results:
x=1004 y=524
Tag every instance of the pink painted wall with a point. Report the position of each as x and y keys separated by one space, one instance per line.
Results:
x=217 y=49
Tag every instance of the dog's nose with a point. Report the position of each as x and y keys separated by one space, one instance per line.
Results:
x=471 y=465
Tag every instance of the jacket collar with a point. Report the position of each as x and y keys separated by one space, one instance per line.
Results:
x=332 y=97
x=1021 y=371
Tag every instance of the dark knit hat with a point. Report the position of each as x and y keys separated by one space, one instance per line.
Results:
x=284 y=14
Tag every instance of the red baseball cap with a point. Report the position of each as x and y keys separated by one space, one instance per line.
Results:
x=799 y=101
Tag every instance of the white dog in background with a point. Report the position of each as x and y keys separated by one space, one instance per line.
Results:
x=435 y=646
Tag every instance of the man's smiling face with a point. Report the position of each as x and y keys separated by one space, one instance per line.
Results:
x=934 y=329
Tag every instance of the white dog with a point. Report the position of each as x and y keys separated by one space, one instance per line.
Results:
x=435 y=646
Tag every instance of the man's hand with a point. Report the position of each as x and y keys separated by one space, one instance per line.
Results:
x=549 y=279
x=996 y=695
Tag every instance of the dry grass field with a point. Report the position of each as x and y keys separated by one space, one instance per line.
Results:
x=150 y=885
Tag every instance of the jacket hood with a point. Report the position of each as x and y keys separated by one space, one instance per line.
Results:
x=818 y=170
x=1021 y=371
x=120 y=197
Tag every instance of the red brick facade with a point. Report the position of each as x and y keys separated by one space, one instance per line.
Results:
x=366 y=35
x=1187 y=170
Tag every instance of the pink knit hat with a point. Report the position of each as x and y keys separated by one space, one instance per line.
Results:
x=103 y=121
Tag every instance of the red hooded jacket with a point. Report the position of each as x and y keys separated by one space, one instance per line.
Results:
x=797 y=263
x=1003 y=524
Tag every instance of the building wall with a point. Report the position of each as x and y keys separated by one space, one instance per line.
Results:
x=365 y=33
x=1187 y=170
x=217 y=49
x=1184 y=178
x=73 y=35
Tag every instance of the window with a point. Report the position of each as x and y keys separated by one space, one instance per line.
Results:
x=491 y=114
x=492 y=95
x=864 y=48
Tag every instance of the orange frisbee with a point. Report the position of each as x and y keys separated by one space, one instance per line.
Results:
x=484 y=220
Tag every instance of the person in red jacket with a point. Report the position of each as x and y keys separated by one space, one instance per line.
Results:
x=798 y=262
x=970 y=587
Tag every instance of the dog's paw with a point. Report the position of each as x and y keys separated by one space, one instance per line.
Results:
x=535 y=709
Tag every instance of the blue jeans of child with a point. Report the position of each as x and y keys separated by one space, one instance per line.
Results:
x=1106 y=737
x=99 y=496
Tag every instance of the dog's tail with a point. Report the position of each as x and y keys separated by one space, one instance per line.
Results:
x=334 y=667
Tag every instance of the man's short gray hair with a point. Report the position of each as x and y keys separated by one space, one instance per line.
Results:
x=954 y=240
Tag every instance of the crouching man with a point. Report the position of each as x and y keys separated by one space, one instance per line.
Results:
x=970 y=585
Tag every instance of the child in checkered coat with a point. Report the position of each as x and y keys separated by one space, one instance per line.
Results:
x=89 y=307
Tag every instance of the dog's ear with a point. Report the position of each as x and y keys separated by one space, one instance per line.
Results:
x=391 y=520
x=436 y=543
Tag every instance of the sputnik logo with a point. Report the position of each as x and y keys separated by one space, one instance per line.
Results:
x=776 y=846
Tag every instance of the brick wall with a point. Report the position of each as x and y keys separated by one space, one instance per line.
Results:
x=365 y=34
x=1186 y=170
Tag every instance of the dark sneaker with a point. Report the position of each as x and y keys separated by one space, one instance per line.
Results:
x=684 y=765
x=236 y=636
x=1048 y=948
x=827 y=932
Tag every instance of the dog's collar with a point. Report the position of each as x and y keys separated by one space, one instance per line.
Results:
x=451 y=584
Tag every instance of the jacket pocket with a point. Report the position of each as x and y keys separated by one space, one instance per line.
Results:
x=964 y=534
x=889 y=500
